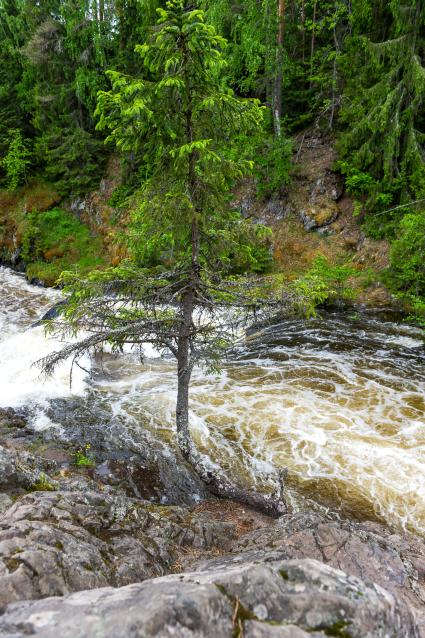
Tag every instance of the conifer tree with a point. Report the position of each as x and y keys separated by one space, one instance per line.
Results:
x=13 y=102
x=383 y=112
x=180 y=117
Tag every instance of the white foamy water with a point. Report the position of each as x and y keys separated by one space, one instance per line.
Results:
x=339 y=402
x=21 y=345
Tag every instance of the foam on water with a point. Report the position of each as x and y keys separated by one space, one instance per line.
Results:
x=340 y=402
x=22 y=345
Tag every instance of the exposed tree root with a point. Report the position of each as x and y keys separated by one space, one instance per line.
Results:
x=273 y=505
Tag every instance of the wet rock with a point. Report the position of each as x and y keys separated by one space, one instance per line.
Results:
x=155 y=477
x=11 y=418
x=134 y=461
x=52 y=313
x=35 y=281
x=262 y=598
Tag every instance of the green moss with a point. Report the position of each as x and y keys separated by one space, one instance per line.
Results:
x=12 y=564
x=83 y=458
x=338 y=629
x=42 y=484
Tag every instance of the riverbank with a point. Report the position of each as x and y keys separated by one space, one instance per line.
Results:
x=334 y=399
x=42 y=234
x=66 y=528
x=95 y=494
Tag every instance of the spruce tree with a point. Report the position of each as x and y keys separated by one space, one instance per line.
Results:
x=383 y=105
x=179 y=116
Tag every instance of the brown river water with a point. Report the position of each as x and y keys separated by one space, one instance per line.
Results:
x=339 y=401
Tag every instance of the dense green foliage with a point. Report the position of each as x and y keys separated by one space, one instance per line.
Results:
x=352 y=68
x=408 y=255
x=182 y=148
x=16 y=161
x=55 y=241
x=383 y=110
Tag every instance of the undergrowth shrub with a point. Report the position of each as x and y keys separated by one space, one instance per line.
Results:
x=54 y=241
x=323 y=282
x=407 y=269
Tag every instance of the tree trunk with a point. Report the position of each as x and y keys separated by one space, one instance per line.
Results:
x=182 y=406
x=334 y=81
x=187 y=304
x=313 y=39
x=277 y=93
x=273 y=505
x=303 y=29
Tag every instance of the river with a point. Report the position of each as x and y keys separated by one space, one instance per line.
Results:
x=339 y=401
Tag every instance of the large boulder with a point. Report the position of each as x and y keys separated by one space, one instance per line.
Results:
x=319 y=216
x=367 y=550
x=268 y=599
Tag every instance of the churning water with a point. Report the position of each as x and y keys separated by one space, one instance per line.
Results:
x=21 y=345
x=339 y=401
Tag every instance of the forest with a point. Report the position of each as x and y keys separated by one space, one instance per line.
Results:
x=212 y=318
x=353 y=69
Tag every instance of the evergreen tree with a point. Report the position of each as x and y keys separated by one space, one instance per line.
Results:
x=16 y=160
x=181 y=117
x=66 y=55
x=14 y=101
x=383 y=112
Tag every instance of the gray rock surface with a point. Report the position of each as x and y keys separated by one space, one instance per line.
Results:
x=262 y=598
x=93 y=531
x=20 y=471
x=127 y=456
x=53 y=543
x=367 y=550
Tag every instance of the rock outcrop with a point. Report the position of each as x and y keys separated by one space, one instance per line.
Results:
x=117 y=564
x=367 y=550
x=277 y=598
x=66 y=532
x=53 y=543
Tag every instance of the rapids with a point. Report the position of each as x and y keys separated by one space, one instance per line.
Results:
x=339 y=401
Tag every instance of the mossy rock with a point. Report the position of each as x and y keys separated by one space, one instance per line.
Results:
x=319 y=216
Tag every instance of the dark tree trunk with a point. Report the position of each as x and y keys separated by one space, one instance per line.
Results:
x=182 y=406
x=277 y=92
x=303 y=29
x=313 y=39
x=101 y=10
x=273 y=505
